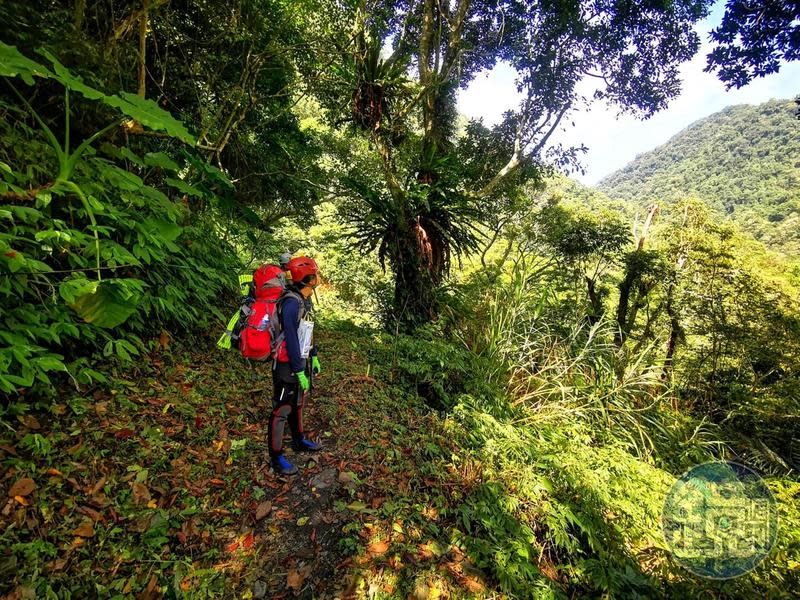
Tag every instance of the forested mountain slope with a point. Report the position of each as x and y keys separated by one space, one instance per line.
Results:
x=743 y=161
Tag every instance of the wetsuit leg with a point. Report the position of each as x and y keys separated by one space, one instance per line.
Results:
x=296 y=416
x=284 y=400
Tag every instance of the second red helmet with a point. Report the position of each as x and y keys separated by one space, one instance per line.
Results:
x=302 y=268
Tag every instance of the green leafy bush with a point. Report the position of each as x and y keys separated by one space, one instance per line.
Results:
x=93 y=257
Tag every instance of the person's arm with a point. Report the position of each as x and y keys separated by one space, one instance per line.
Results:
x=289 y=320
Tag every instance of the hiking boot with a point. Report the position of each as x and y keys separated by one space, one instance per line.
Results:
x=306 y=445
x=281 y=466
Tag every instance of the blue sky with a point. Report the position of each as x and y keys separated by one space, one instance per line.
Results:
x=614 y=141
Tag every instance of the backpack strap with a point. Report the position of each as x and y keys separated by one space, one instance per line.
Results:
x=278 y=333
x=301 y=311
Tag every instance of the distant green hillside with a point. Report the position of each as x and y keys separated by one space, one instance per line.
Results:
x=743 y=161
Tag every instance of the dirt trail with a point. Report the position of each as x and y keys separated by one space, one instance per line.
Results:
x=159 y=485
x=301 y=533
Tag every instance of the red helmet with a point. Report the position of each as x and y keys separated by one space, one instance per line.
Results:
x=303 y=270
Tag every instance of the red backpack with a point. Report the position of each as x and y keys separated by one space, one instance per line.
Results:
x=260 y=329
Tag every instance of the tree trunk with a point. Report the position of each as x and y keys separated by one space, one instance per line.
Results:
x=594 y=300
x=78 y=13
x=622 y=306
x=415 y=298
x=675 y=333
x=142 y=47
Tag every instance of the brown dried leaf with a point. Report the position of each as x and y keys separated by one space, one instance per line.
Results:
x=378 y=547
x=22 y=487
x=85 y=529
x=97 y=486
x=295 y=579
x=90 y=512
x=29 y=421
x=141 y=495
x=263 y=509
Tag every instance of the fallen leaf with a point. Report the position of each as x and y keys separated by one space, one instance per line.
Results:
x=22 y=487
x=378 y=547
x=124 y=433
x=233 y=546
x=97 y=486
x=247 y=541
x=346 y=477
x=151 y=587
x=357 y=506
x=295 y=579
x=29 y=421
x=90 y=512
x=85 y=529
x=472 y=584
x=302 y=521
x=57 y=565
x=54 y=472
x=141 y=495
x=8 y=449
x=263 y=509
x=22 y=500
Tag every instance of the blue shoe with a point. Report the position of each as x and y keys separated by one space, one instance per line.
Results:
x=281 y=466
x=306 y=445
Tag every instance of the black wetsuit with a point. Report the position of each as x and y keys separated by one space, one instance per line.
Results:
x=288 y=398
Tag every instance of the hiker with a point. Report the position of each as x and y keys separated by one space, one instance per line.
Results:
x=291 y=369
x=283 y=262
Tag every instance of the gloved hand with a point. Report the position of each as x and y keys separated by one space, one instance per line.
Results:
x=301 y=377
x=315 y=367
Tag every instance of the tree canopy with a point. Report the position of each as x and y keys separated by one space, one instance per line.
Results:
x=753 y=40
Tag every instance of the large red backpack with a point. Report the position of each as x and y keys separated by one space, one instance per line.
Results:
x=260 y=330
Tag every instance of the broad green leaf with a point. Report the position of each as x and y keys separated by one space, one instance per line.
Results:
x=164 y=230
x=70 y=81
x=146 y=112
x=53 y=362
x=161 y=160
x=184 y=187
x=14 y=64
x=24 y=213
x=13 y=259
x=71 y=289
x=126 y=152
x=120 y=178
x=150 y=114
x=43 y=199
x=109 y=305
x=37 y=266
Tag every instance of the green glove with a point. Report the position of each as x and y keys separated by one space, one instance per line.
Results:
x=315 y=368
x=301 y=377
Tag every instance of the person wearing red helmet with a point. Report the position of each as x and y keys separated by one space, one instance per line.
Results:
x=291 y=372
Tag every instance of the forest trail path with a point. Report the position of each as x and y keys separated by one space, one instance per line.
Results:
x=158 y=484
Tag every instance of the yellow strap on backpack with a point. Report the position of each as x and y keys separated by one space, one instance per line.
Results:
x=224 y=342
